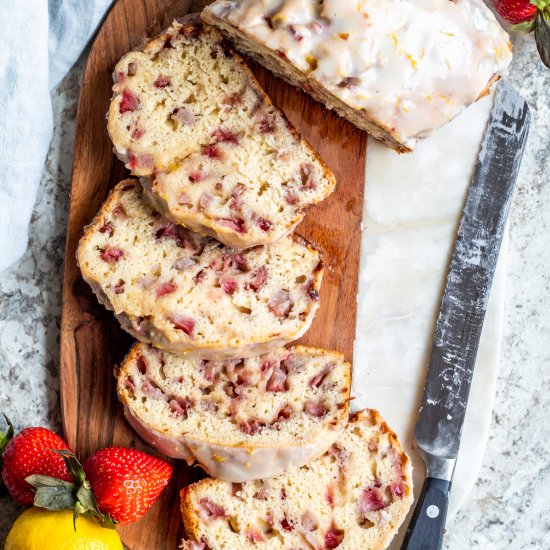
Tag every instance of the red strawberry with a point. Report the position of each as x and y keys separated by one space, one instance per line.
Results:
x=529 y=16
x=30 y=452
x=114 y=485
x=126 y=482
x=516 y=11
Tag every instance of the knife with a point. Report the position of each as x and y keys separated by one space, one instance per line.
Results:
x=458 y=329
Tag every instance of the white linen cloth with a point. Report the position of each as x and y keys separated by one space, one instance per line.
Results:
x=41 y=40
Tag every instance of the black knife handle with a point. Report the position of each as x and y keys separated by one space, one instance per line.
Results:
x=425 y=531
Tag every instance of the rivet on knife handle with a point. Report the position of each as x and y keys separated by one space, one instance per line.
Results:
x=427 y=524
x=450 y=370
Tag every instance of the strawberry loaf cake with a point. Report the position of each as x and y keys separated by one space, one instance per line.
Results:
x=241 y=419
x=191 y=294
x=353 y=497
x=398 y=70
x=215 y=155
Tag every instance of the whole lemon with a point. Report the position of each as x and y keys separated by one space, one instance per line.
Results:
x=39 y=529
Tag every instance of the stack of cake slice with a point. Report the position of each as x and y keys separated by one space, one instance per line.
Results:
x=198 y=261
x=191 y=294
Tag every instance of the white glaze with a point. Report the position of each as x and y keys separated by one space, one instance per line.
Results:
x=233 y=463
x=415 y=65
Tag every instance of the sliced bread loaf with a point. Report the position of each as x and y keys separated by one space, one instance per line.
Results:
x=241 y=419
x=398 y=70
x=224 y=161
x=353 y=497
x=190 y=294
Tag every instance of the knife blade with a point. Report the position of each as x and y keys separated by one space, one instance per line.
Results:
x=458 y=330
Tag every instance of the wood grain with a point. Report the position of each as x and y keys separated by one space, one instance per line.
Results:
x=91 y=341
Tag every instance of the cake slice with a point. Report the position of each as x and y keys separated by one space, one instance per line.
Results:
x=222 y=160
x=353 y=497
x=398 y=70
x=241 y=419
x=190 y=294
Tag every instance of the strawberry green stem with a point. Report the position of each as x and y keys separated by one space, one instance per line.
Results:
x=57 y=494
x=5 y=438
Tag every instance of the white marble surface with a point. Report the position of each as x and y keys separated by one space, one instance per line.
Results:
x=508 y=507
x=413 y=206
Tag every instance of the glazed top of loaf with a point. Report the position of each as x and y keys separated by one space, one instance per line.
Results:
x=411 y=66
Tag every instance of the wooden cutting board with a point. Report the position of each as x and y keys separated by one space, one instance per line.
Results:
x=91 y=341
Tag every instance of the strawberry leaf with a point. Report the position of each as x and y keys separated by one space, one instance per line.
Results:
x=54 y=498
x=524 y=28
x=88 y=502
x=76 y=513
x=56 y=494
x=5 y=438
x=86 y=498
x=87 y=506
x=540 y=4
x=73 y=465
x=38 y=481
x=52 y=493
x=542 y=37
